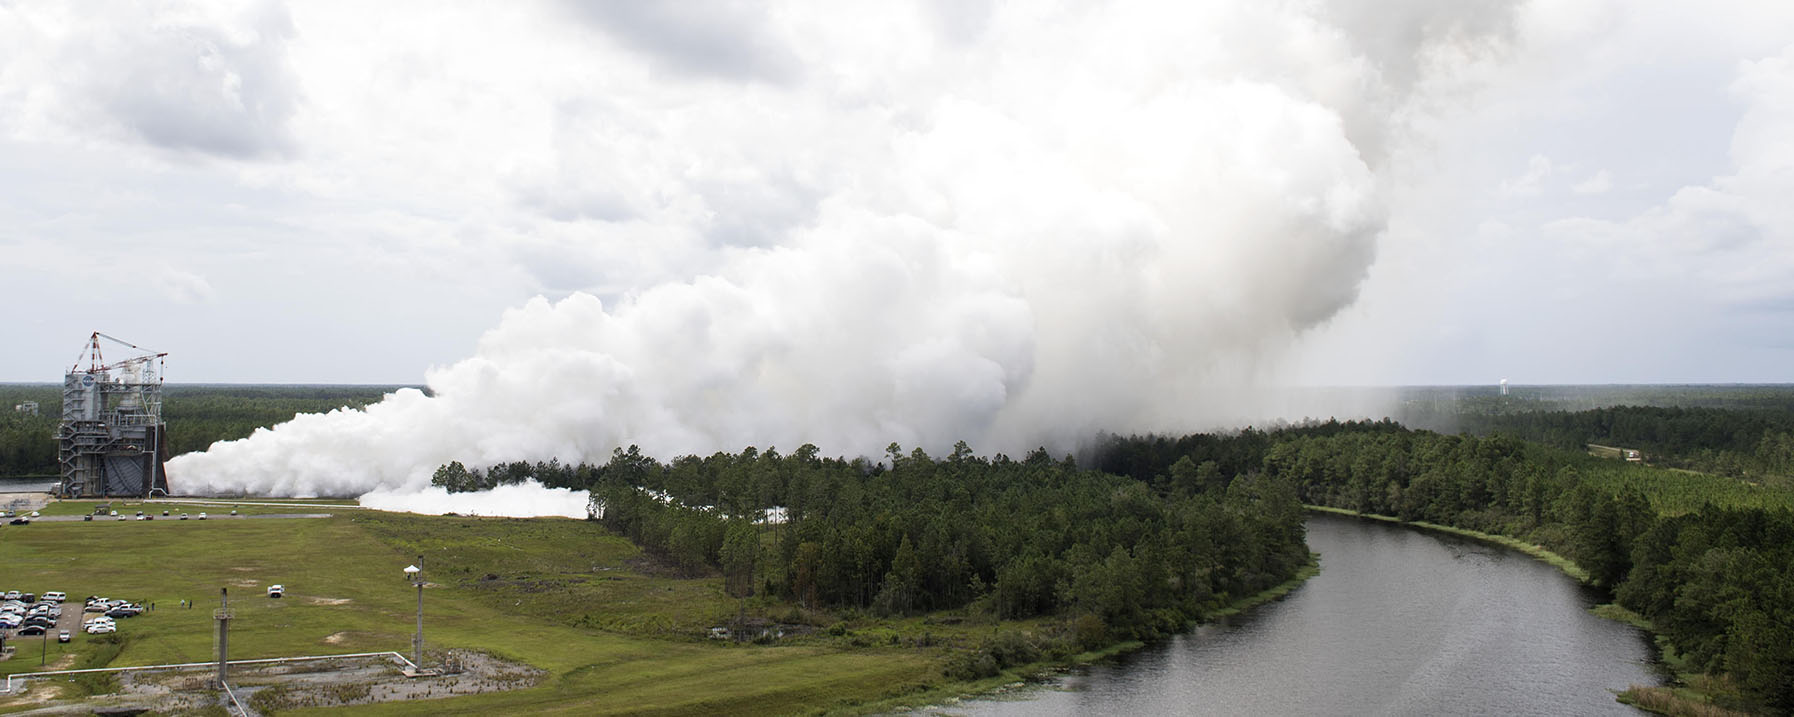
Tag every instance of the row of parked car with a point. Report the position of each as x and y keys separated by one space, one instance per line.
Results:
x=115 y=515
x=13 y=517
x=29 y=615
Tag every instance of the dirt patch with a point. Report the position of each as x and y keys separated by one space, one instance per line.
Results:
x=329 y=601
x=245 y=583
x=656 y=566
x=286 y=686
x=466 y=673
x=339 y=638
x=39 y=694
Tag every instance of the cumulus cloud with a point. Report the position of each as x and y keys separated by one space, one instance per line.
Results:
x=1597 y=183
x=1077 y=219
x=1733 y=235
x=728 y=39
x=212 y=81
x=182 y=287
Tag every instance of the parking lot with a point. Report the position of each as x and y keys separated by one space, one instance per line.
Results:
x=27 y=617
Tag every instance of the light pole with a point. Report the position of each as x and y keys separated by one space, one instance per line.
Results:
x=415 y=573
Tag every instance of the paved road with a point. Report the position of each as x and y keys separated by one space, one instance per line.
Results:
x=193 y=519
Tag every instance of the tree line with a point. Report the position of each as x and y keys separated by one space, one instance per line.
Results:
x=1705 y=558
x=1737 y=443
x=1117 y=558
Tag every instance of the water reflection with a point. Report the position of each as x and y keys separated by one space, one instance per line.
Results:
x=1399 y=622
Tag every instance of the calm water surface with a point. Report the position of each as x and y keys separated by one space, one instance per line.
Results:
x=1399 y=622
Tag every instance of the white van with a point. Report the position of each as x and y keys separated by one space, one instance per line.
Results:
x=55 y=596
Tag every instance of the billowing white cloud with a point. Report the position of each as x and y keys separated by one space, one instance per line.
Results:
x=1082 y=221
x=1013 y=224
x=526 y=500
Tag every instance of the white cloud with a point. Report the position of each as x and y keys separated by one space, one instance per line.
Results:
x=1597 y=183
x=1013 y=224
x=1075 y=223
x=183 y=287
x=1538 y=169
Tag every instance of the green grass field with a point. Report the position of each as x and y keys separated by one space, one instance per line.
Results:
x=557 y=594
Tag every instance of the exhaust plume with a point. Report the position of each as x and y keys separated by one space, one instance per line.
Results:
x=1015 y=228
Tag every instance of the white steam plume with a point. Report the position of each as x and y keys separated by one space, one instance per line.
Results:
x=1075 y=220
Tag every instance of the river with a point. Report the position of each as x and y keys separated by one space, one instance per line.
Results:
x=1399 y=622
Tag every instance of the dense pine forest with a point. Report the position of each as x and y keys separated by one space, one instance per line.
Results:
x=1116 y=558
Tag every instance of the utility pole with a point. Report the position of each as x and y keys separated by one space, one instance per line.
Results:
x=416 y=574
x=223 y=617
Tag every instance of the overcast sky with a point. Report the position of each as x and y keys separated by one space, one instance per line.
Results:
x=1577 y=191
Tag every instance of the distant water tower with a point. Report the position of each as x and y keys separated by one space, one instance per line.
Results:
x=1504 y=387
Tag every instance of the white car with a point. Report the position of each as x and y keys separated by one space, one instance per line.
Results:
x=275 y=591
x=202 y=516
x=55 y=596
x=101 y=628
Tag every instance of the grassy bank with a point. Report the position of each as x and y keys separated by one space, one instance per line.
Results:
x=345 y=593
x=616 y=631
x=1535 y=550
x=1017 y=677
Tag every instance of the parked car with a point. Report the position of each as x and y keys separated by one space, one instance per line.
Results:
x=87 y=518
x=55 y=596
x=275 y=591
x=100 y=628
x=124 y=611
x=202 y=516
x=19 y=521
x=62 y=636
x=32 y=630
x=13 y=595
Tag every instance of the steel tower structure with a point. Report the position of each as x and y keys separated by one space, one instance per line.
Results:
x=112 y=441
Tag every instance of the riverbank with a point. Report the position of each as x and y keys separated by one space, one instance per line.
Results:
x=1540 y=552
x=946 y=695
x=1694 y=698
